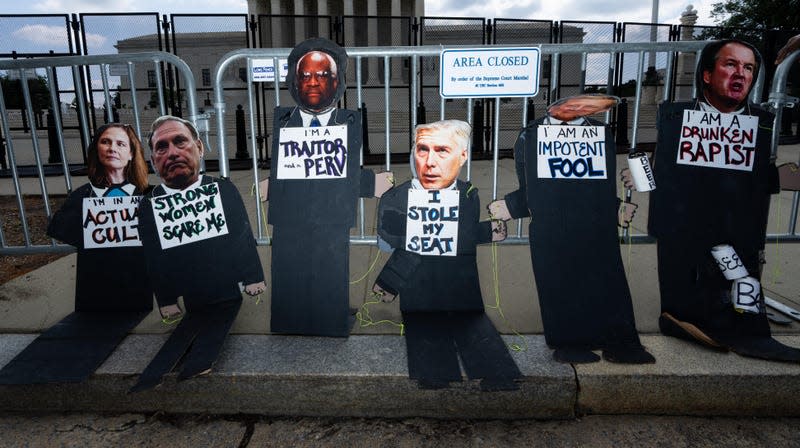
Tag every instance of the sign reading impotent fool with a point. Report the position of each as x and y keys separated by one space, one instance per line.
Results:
x=111 y=222
x=717 y=140
x=188 y=216
x=571 y=152
x=432 y=222
x=313 y=153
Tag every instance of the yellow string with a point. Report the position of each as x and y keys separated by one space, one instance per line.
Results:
x=371 y=267
x=496 y=284
x=171 y=321
x=365 y=319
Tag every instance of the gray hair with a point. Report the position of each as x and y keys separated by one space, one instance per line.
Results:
x=459 y=130
x=165 y=118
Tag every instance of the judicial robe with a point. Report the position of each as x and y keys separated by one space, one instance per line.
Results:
x=311 y=222
x=112 y=295
x=696 y=208
x=440 y=299
x=583 y=292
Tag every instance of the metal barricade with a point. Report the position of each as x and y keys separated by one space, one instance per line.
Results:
x=46 y=68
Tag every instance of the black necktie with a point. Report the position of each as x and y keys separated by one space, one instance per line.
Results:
x=315 y=122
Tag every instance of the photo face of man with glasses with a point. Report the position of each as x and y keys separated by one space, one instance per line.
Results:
x=317 y=80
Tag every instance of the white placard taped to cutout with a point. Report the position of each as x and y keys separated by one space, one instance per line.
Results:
x=111 y=222
x=313 y=153
x=717 y=140
x=188 y=216
x=571 y=152
x=432 y=222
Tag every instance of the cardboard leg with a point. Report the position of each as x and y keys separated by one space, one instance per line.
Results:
x=170 y=353
x=483 y=352
x=216 y=322
x=432 y=359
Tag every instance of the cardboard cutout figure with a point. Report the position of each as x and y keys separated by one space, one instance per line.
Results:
x=112 y=290
x=198 y=245
x=715 y=178
x=567 y=186
x=314 y=184
x=432 y=224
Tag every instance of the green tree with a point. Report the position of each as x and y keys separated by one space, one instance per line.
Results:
x=12 y=93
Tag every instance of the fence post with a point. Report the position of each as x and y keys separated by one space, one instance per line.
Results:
x=621 y=137
x=364 y=130
x=531 y=110
x=477 y=127
x=421 y=113
x=241 y=134
x=52 y=138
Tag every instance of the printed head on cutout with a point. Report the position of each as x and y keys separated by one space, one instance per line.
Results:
x=317 y=69
x=726 y=73
x=115 y=156
x=176 y=151
x=440 y=150
x=570 y=108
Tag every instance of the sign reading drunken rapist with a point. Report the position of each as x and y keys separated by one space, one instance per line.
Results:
x=111 y=222
x=507 y=72
x=432 y=222
x=571 y=152
x=188 y=216
x=313 y=153
x=717 y=140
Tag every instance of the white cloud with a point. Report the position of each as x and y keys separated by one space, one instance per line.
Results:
x=51 y=35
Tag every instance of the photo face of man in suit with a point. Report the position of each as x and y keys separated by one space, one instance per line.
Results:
x=438 y=157
x=317 y=80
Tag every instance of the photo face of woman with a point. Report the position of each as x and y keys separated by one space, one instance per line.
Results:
x=114 y=149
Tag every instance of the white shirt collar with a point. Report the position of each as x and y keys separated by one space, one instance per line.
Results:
x=576 y=122
x=323 y=117
x=169 y=190
x=417 y=185
x=707 y=107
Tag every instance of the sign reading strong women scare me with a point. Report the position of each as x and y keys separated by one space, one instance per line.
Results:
x=313 y=153
x=188 y=216
x=111 y=222
x=432 y=222
x=571 y=152
x=717 y=140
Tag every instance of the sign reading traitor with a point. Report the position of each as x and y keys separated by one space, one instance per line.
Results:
x=492 y=72
x=717 y=140
x=188 y=216
x=313 y=153
x=571 y=152
x=111 y=222
x=432 y=222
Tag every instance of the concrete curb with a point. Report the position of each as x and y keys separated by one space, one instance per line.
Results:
x=366 y=376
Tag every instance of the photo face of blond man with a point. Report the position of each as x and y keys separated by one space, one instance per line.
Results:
x=437 y=158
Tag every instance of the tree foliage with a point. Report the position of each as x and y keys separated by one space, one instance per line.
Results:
x=757 y=14
x=12 y=93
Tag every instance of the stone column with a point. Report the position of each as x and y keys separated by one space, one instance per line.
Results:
x=373 y=71
x=275 y=26
x=397 y=40
x=686 y=61
x=322 y=10
x=349 y=39
x=299 y=22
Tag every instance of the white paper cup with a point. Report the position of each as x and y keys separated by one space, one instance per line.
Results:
x=746 y=295
x=728 y=261
x=641 y=172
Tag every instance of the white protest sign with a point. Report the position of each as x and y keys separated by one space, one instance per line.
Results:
x=111 y=222
x=495 y=72
x=571 y=152
x=312 y=153
x=263 y=70
x=188 y=216
x=717 y=140
x=432 y=222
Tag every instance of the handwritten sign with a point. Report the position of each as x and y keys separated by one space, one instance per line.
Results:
x=188 y=216
x=111 y=222
x=313 y=153
x=571 y=152
x=432 y=222
x=263 y=70
x=717 y=140
x=476 y=72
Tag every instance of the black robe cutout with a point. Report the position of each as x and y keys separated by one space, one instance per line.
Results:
x=112 y=295
x=310 y=246
x=696 y=208
x=583 y=292
x=440 y=299
x=207 y=274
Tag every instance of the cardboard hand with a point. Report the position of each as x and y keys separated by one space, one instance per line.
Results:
x=255 y=289
x=627 y=179
x=263 y=190
x=499 y=210
x=384 y=295
x=626 y=212
x=499 y=231
x=170 y=313
x=383 y=182
x=789 y=175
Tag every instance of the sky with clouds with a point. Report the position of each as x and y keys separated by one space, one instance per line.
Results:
x=584 y=10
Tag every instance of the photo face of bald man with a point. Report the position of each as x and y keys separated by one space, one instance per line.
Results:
x=571 y=108
x=437 y=158
x=316 y=81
